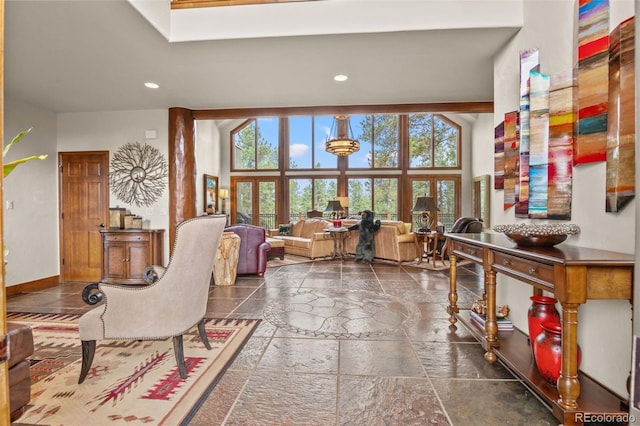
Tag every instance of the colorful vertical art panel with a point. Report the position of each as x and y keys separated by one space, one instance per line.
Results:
x=529 y=61
x=498 y=155
x=593 y=81
x=621 y=132
x=511 y=158
x=562 y=124
x=538 y=145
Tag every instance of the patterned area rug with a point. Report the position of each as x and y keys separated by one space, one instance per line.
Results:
x=130 y=382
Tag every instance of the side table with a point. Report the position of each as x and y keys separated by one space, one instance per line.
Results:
x=431 y=238
x=225 y=267
x=338 y=235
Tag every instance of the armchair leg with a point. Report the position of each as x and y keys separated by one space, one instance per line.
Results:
x=88 y=351
x=203 y=334
x=179 y=354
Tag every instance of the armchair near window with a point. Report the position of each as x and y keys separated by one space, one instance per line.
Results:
x=252 y=257
x=167 y=308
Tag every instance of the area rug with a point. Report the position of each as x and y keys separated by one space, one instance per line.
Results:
x=130 y=382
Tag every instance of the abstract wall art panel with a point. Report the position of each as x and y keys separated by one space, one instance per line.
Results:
x=562 y=123
x=538 y=145
x=529 y=61
x=511 y=158
x=593 y=85
x=621 y=146
x=498 y=152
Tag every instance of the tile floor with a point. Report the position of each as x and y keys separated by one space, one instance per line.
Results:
x=348 y=344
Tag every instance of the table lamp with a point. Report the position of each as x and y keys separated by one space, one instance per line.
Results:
x=334 y=207
x=424 y=206
x=223 y=193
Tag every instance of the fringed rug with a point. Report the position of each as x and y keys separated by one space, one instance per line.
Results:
x=130 y=382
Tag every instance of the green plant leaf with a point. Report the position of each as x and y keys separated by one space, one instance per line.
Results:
x=14 y=141
x=8 y=168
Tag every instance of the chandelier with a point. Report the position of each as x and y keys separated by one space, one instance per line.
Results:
x=343 y=144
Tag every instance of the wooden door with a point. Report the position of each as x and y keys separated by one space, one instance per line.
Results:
x=137 y=259
x=84 y=211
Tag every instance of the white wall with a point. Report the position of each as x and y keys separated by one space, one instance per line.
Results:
x=93 y=131
x=31 y=226
x=605 y=326
x=207 y=158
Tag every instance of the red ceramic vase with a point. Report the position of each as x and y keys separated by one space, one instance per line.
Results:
x=542 y=309
x=547 y=351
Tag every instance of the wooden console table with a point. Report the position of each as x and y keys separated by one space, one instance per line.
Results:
x=574 y=275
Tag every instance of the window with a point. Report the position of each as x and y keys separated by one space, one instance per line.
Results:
x=434 y=142
x=446 y=192
x=255 y=145
x=378 y=137
x=307 y=137
x=310 y=194
x=383 y=201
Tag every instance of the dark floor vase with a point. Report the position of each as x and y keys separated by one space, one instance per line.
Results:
x=542 y=309
x=547 y=351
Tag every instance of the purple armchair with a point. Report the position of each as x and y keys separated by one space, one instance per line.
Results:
x=252 y=258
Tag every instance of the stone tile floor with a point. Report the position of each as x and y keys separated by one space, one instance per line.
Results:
x=348 y=344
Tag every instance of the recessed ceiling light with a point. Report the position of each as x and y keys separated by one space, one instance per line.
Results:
x=340 y=77
x=151 y=85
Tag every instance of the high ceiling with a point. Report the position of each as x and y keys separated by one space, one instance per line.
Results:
x=74 y=56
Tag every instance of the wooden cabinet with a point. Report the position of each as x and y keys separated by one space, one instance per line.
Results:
x=574 y=275
x=127 y=252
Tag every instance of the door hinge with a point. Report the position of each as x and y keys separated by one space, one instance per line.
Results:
x=62 y=215
x=63 y=260
x=60 y=166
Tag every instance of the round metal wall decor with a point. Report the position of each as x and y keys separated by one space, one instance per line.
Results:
x=138 y=174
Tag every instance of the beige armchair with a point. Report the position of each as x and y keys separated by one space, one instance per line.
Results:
x=167 y=308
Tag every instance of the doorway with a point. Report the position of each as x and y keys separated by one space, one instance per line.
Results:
x=84 y=212
x=255 y=201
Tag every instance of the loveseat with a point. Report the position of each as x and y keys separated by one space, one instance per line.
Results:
x=306 y=237
x=393 y=241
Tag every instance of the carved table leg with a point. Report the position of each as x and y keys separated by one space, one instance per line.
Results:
x=453 y=292
x=491 y=326
x=568 y=383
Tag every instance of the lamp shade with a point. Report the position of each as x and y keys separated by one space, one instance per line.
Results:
x=333 y=206
x=344 y=201
x=223 y=193
x=425 y=204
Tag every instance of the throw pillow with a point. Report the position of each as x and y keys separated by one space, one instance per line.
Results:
x=285 y=229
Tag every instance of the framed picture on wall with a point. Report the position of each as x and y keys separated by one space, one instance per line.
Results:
x=210 y=194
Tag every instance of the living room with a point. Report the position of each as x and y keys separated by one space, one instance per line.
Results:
x=31 y=225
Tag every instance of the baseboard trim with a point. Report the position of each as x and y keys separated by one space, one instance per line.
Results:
x=32 y=286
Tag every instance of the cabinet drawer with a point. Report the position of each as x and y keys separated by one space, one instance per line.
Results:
x=525 y=269
x=468 y=251
x=126 y=237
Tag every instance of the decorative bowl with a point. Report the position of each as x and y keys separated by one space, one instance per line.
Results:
x=530 y=235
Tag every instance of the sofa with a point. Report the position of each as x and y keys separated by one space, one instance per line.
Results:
x=252 y=256
x=20 y=348
x=393 y=241
x=306 y=237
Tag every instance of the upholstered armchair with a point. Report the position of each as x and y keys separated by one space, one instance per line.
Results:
x=252 y=257
x=462 y=225
x=169 y=307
